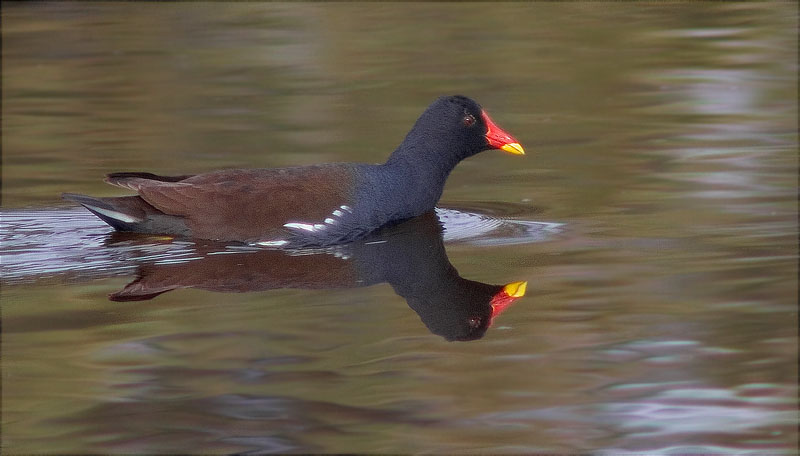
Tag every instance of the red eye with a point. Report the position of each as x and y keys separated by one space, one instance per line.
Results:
x=468 y=120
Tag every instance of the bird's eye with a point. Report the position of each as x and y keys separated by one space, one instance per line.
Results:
x=474 y=322
x=468 y=120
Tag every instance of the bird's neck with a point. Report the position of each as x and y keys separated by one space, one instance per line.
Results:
x=418 y=175
x=420 y=153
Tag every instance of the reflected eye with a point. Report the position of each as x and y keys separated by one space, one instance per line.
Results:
x=468 y=120
x=474 y=322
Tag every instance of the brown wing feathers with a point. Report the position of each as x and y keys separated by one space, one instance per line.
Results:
x=242 y=205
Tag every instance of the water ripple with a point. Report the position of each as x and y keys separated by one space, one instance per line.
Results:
x=37 y=244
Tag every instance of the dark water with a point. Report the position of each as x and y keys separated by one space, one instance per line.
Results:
x=654 y=220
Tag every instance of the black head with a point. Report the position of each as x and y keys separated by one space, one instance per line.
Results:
x=454 y=128
x=462 y=117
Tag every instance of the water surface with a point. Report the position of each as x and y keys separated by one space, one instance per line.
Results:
x=654 y=220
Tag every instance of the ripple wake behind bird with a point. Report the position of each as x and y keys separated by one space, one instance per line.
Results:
x=41 y=243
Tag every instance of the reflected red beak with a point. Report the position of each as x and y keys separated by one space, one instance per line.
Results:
x=505 y=297
x=499 y=138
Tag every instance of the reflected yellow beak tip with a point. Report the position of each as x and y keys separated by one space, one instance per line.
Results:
x=513 y=148
x=516 y=289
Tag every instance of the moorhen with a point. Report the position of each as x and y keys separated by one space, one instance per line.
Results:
x=315 y=205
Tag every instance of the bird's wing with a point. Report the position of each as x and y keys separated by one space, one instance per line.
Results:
x=248 y=205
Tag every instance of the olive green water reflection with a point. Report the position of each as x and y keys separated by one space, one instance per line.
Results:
x=661 y=319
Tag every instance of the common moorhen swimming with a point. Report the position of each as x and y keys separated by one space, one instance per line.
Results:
x=314 y=205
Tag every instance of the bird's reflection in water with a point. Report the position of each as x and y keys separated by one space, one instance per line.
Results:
x=410 y=256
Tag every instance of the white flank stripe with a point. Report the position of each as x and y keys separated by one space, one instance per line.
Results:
x=277 y=243
x=300 y=226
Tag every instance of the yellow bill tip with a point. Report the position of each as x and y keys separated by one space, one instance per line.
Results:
x=516 y=289
x=513 y=148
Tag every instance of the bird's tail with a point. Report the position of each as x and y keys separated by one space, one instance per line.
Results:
x=122 y=213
